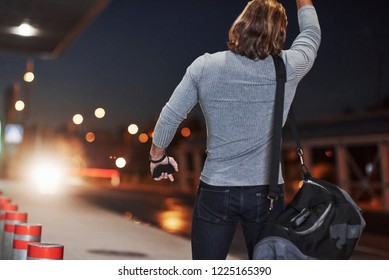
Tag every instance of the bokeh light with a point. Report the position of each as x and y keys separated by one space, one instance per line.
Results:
x=90 y=137
x=185 y=132
x=29 y=77
x=25 y=29
x=99 y=113
x=329 y=153
x=133 y=129
x=19 y=105
x=143 y=138
x=120 y=162
x=78 y=119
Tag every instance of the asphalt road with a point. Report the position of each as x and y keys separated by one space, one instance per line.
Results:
x=171 y=211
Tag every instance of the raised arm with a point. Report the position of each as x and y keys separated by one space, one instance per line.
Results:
x=304 y=48
x=301 y=3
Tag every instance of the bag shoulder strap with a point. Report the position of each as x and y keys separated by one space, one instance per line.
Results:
x=277 y=132
x=277 y=128
x=296 y=136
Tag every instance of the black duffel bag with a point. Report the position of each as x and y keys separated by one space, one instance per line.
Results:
x=322 y=221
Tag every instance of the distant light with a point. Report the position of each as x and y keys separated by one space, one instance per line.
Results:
x=13 y=133
x=99 y=113
x=185 y=132
x=47 y=174
x=90 y=137
x=19 y=105
x=329 y=153
x=143 y=138
x=120 y=162
x=25 y=29
x=172 y=221
x=29 y=77
x=78 y=119
x=369 y=168
x=133 y=129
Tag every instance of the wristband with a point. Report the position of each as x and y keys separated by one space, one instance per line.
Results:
x=158 y=160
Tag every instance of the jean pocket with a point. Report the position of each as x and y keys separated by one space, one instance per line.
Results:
x=212 y=205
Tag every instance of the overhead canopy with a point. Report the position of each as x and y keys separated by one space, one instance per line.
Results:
x=44 y=27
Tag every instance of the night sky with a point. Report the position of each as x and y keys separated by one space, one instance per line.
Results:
x=130 y=59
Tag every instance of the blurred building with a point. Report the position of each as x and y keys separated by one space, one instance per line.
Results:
x=41 y=29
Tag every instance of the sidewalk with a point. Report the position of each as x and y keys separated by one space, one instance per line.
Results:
x=92 y=233
x=89 y=232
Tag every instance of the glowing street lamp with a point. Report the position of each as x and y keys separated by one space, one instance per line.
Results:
x=78 y=119
x=143 y=138
x=90 y=137
x=29 y=76
x=185 y=132
x=99 y=113
x=133 y=129
x=19 y=105
x=120 y=162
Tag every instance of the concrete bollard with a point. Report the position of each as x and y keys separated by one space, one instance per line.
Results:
x=12 y=218
x=6 y=206
x=23 y=235
x=44 y=251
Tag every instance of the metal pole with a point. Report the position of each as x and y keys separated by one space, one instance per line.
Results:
x=384 y=154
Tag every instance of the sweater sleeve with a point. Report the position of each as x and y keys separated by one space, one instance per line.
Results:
x=183 y=99
x=303 y=51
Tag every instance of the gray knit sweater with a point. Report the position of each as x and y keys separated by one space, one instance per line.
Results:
x=236 y=95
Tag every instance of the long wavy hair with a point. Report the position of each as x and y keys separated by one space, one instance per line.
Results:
x=260 y=30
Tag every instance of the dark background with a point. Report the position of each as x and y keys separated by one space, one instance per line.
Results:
x=130 y=59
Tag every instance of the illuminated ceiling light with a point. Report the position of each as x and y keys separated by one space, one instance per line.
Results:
x=25 y=30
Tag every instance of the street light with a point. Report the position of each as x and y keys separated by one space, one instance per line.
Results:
x=133 y=129
x=78 y=119
x=29 y=76
x=19 y=105
x=120 y=162
x=185 y=132
x=90 y=137
x=143 y=138
x=99 y=113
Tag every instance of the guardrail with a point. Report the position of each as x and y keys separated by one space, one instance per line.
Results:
x=358 y=163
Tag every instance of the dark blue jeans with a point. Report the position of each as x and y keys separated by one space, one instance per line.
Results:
x=217 y=212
